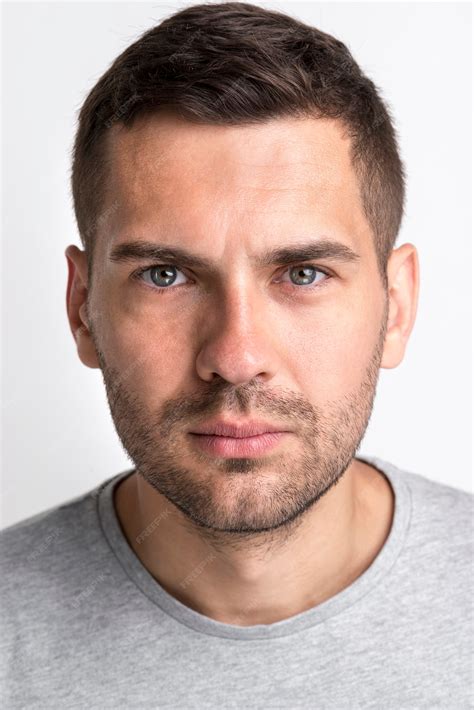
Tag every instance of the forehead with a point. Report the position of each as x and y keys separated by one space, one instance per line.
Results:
x=245 y=179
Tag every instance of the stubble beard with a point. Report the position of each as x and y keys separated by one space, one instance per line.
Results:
x=231 y=500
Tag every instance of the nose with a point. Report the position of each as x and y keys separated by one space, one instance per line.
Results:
x=236 y=342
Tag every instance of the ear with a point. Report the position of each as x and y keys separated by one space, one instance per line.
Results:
x=76 y=306
x=403 y=287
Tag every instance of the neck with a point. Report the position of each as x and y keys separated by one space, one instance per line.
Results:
x=267 y=577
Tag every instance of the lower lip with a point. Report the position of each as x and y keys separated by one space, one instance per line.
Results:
x=230 y=446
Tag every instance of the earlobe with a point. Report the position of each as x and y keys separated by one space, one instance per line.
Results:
x=403 y=289
x=86 y=348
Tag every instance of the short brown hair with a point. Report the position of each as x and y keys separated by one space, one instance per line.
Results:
x=236 y=63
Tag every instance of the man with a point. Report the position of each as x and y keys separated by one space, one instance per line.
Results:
x=238 y=192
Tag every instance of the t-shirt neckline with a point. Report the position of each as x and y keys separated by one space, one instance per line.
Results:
x=152 y=589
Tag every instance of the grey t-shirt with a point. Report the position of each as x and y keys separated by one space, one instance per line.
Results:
x=86 y=626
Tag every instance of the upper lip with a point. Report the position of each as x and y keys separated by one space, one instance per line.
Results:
x=238 y=430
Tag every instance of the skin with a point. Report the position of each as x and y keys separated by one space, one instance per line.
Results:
x=249 y=540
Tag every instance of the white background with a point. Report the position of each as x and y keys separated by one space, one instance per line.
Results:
x=58 y=437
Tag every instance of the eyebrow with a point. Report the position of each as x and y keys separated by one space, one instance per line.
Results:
x=133 y=251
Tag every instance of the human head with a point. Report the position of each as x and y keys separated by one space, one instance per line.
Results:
x=232 y=340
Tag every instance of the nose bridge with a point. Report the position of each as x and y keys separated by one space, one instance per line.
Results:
x=233 y=340
x=237 y=312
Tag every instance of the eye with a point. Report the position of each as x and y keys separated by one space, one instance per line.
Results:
x=163 y=276
x=304 y=273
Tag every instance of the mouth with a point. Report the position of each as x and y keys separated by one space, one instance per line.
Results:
x=232 y=446
x=238 y=429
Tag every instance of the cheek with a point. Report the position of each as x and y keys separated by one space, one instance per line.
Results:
x=139 y=329
x=144 y=353
x=331 y=354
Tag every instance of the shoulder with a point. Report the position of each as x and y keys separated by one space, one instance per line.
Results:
x=440 y=517
x=442 y=528
x=430 y=499
x=440 y=504
x=50 y=546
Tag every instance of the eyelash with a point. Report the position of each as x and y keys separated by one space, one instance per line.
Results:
x=293 y=287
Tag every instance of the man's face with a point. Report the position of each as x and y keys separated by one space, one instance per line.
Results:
x=298 y=345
